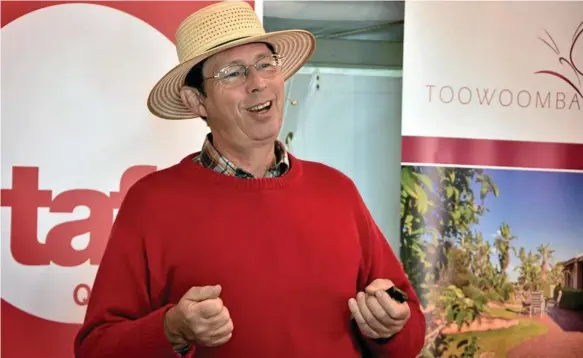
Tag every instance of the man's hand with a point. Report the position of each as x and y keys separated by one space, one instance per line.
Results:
x=199 y=317
x=376 y=313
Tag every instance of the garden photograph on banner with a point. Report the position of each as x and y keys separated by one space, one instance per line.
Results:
x=492 y=176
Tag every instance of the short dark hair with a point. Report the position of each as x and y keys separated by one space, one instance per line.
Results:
x=195 y=79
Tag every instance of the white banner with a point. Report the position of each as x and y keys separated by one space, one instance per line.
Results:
x=474 y=67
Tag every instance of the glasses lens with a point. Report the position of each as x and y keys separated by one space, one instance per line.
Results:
x=232 y=74
x=268 y=64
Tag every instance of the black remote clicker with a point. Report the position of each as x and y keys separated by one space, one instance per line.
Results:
x=397 y=294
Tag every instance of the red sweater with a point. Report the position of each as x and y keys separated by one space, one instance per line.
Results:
x=288 y=252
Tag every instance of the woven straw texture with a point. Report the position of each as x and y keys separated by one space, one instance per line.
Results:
x=200 y=36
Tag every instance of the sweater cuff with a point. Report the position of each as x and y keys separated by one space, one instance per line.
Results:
x=153 y=337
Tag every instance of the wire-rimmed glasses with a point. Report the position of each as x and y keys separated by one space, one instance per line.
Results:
x=236 y=74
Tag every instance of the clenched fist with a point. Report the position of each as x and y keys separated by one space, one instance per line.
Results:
x=200 y=318
x=376 y=313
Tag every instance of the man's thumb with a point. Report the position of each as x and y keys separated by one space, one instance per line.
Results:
x=204 y=293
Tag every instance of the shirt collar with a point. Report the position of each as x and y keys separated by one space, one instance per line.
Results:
x=210 y=157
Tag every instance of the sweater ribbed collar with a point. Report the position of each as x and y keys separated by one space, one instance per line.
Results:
x=201 y=175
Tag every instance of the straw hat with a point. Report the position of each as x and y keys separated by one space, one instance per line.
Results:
x=216 y=28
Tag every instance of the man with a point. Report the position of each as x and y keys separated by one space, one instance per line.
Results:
x=242 y=249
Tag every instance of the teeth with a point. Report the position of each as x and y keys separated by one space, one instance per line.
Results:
x=260 y=107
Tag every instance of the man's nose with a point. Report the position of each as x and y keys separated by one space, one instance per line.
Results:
x=255 y=82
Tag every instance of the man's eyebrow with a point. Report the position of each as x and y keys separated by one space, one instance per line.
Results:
x=241 y=62
x=263 y=54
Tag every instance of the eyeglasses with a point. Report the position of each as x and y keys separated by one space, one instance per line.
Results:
x=235 y=75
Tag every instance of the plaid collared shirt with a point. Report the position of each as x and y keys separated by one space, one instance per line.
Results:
x=209 y=157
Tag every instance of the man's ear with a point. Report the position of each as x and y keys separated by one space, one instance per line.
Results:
x=193 y=100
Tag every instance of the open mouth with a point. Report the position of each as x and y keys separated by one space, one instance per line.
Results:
x=264 y=107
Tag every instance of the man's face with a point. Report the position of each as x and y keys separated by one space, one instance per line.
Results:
x=229 y=108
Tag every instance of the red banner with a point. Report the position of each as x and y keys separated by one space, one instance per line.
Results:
x=76 y=133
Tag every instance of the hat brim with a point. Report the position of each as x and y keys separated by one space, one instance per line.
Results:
x=295 y=46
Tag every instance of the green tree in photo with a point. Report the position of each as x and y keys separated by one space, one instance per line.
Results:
x=438 y=209
x=414 y=206
x=504 y=247
x=529 y=270
x=482 y=266
x=447 y=263
x=546 y=255
x=537 y=271
x=556 y=274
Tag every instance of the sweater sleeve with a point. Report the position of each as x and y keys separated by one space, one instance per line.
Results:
x=380 y=262
x=121 y=321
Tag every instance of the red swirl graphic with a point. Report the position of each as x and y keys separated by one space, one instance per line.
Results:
x=578 y=33
x=570 y=61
